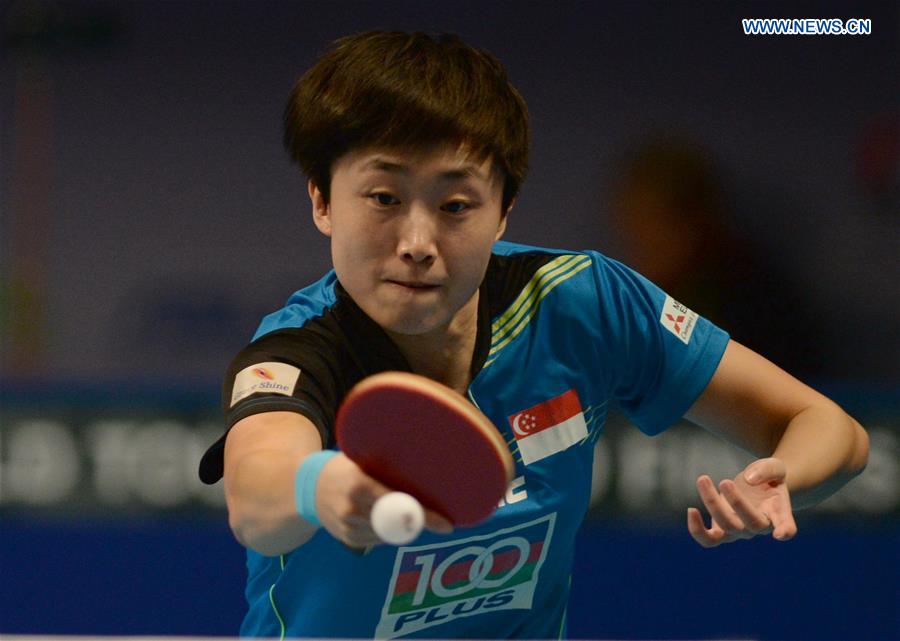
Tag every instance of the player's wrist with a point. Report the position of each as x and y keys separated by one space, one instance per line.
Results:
x=305 y=482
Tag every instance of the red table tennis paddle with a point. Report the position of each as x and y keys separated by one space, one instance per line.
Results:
x=420 y=437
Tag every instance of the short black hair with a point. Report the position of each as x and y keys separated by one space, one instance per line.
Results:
x=407 y=91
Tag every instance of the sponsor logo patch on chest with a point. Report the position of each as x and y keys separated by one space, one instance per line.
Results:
x=434 y=584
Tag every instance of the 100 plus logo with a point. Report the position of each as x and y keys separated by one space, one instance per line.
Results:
x=435 y=584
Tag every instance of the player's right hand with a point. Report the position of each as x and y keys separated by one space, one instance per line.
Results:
x=344 y=499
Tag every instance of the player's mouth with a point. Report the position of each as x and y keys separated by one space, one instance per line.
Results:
x=414 y=285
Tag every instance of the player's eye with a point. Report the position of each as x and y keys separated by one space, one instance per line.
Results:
x=456 y=207
x=383 y=199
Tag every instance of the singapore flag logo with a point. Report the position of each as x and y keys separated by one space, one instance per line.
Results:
x=549 y=427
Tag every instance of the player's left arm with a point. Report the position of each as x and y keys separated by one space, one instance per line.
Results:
x=811 y=448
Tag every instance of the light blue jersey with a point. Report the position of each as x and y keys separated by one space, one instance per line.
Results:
x=561 y=336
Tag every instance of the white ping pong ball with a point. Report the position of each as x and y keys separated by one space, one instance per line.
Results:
x=397 y=518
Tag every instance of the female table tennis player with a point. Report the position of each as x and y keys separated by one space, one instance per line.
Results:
x=414 y=149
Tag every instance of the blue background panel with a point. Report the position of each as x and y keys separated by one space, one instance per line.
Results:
x=185 y=576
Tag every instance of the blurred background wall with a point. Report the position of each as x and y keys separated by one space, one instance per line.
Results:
x=149 y=216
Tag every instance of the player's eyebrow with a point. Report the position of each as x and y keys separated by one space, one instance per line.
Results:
x=463 y=171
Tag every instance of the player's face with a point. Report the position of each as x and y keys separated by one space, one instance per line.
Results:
x=411 y=233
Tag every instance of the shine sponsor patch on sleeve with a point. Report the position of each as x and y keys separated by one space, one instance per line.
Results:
x=267 y=378
x=678 y=319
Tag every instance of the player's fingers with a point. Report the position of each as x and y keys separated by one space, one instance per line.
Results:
x=356 y=529
x=696 y=527
x=785 y=530
x=342 y=481
x=784 y=525
x=437 y=523
x=765 y=470
x=719 y=508
x=363 y=494
x=355 y=538
x=707 y=538
x=755 y=520
x=358 y=540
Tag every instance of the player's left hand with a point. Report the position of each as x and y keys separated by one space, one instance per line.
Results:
x=755 y=502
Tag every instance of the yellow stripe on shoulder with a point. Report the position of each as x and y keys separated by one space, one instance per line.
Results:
x=515 y=311
x=511 y=323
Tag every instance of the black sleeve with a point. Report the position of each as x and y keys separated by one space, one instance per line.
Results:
x=294 y=370
x=306 y=382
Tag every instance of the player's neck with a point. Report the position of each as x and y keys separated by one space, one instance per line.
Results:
x=444 y=355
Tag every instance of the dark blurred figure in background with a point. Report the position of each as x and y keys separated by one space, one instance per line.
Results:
x=669 y=212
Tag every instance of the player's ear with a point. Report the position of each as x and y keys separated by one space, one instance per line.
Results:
x=321 y=209
x=501 y=229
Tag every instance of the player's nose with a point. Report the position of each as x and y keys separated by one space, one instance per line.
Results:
x=418 y=236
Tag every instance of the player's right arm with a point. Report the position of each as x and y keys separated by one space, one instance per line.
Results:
x=262 y=455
